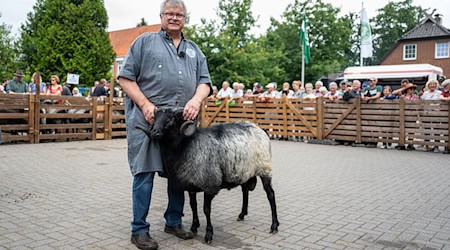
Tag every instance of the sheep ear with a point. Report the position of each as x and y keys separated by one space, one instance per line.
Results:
x=187 y=128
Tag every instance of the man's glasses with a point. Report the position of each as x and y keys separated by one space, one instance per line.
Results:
x=174 y=15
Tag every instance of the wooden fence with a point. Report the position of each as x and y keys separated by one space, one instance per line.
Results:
x=392 y=121
x=36 y=119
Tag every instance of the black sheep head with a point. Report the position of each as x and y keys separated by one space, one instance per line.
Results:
x=169 y=122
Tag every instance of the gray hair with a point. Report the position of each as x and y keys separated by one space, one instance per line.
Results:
x=333 y=84
x=173 y=3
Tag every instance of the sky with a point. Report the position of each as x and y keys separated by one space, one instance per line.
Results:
x=125 y=14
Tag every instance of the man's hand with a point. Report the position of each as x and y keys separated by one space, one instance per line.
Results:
x=149 y=112
x=191 y=109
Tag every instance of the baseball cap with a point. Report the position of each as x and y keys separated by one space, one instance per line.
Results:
x=373 y=79
x=270 y=85
x=258 y=85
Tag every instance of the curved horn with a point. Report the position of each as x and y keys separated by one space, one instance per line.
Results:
x=187 y=128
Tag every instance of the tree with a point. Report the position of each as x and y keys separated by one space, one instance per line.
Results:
x=329 y=37
x=392 y=22
x=7 y=51
x=62 y=36
x=232 y=53
x=142 y=23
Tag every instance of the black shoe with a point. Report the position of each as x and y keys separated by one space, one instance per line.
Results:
x=179 y=231
x=410 y=147
x=144 y=241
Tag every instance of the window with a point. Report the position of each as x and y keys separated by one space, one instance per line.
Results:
x=441 y=50
x=409 y=52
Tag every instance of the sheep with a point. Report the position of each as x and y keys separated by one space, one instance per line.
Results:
x=212 y=158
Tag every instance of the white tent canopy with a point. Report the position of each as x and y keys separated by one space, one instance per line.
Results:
x=393 y=71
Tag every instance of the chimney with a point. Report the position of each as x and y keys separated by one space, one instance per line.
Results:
x=438 y=18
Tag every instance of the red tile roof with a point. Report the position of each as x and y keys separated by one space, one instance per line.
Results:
x=121 y=40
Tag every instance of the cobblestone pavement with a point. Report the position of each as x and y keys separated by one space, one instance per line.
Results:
x=77 y=196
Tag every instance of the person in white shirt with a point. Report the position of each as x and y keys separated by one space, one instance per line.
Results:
x=270 y=94
x=236 y=93
x=225 y=91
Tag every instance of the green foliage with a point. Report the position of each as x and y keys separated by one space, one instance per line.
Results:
x=62 y=36
x=329 y=36
x=142 y=23
x=233 y=54
x=7 y=52
x=392 y=22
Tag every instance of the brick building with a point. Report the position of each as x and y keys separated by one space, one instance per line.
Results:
x=428 y=42
x=121 y=40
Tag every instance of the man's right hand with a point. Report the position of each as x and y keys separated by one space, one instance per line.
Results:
x=149 y=112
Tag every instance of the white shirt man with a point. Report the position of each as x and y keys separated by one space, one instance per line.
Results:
x=225 y=91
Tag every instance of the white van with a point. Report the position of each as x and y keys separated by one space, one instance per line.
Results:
x=418 y=74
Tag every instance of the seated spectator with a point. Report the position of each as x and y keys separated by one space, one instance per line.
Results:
x=269 y=94
x=298 y=92
x=353 y=90
x=236 y=93
x=333 y=94
x=76 y=92
x=225 y=91
x=387 y=94
x=373 y=91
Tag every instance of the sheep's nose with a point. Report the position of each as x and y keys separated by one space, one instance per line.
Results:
x=156 y=134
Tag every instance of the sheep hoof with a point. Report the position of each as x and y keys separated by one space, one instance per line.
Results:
x=240 y=219
x=194 y=230
x=208 y=238
x=274 y=228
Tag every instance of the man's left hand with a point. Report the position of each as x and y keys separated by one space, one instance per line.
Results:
x=191 y=109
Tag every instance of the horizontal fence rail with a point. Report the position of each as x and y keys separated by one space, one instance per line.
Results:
x=36 y=119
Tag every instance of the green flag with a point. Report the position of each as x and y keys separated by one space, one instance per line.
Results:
x=305 y=40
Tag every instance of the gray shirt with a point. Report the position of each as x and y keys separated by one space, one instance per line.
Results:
x=168 y=77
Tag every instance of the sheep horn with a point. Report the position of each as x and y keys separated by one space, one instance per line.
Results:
x=187 y=128
x=147 y=132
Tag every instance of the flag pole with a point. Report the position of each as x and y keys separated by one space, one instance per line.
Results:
x=361 y=60
x=303 y=65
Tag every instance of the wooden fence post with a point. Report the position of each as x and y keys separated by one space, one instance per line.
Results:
x=285 y=127
x=358 y=120
x=94 y=118
x=401 y=142
x=227 y=110
x=319 y=115
x=37 y=117
x=254 y=110
x=31 y=108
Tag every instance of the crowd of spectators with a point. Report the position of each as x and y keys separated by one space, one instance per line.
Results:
x=53 y=87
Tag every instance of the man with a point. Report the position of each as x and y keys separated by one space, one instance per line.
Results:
x=100 y=89
x=225 y=91
x=3 y=86
x=16 y=85
x=353 y=90
x=317 y=86
x=373 y=91
x=91 y=91
x=150 y=84
x=236 y=93
x=269 y=94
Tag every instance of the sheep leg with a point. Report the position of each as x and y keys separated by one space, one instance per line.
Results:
x=195 y=221
x=267 y=184
x=207 y=210
x=244 y=203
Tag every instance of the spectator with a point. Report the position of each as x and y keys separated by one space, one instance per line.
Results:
x=248 y=94
x=100 y=89
x=258 y=91
x=298 y=92
x=317 y=88
x=236 y=93
x=108 y=89
x=287 y=91
x=373 y=91
x=353 y=90
x=432 y=93
x=410 y=94
x=16 y=85
x=54 y=89
x=96 y=83
x=269 y=94
x=3 y=85
x=387 y=94
x=445 y=94
x=402 y=90
x=66 y=89
x=322 y=91
x=342 y=87
x=333 y=94
x=76 y=92
x=225 y=91
x=309 y=94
